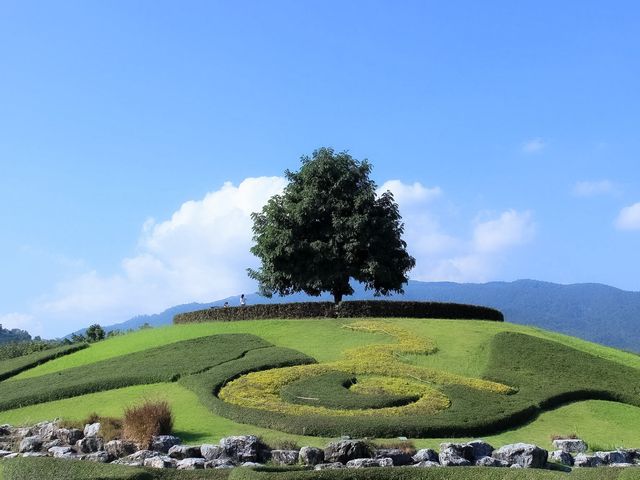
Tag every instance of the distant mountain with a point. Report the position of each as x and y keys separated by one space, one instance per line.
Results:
x=591 y=311
x=13 y=335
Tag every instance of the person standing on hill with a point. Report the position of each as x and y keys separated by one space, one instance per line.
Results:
x=243 y=300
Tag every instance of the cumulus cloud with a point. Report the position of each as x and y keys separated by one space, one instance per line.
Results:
x=534 y=145
x=593 y=188
x=409 y=194
x=629 y=218
x=200 y=254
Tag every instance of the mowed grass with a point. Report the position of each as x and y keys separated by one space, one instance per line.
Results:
x=463 y=346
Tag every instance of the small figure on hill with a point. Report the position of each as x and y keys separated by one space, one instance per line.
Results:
x=226 y=305
x=243 y=300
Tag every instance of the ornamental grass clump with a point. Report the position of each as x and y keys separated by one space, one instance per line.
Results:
x=142 y=422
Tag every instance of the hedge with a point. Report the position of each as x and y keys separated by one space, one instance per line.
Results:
x=350 y=309
x=13 y=366
x=55 y=469
x=162 y=364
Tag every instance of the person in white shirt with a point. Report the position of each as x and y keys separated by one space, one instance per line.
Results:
x=243 y=301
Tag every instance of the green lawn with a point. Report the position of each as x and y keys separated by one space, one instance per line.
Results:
x=464 y=347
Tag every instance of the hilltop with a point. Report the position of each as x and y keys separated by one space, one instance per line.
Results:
x=591 y=311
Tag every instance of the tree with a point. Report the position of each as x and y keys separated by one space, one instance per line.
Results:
x=95 y=333
x=328 y=227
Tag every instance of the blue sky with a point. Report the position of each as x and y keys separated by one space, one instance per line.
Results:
x=508 y=131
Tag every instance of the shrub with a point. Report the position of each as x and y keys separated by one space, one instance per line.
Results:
x=350 y=309
x=142 y=422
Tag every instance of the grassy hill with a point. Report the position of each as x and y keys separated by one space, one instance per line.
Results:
x=501 y=381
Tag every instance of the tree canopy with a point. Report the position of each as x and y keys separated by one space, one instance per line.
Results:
x=328 y=227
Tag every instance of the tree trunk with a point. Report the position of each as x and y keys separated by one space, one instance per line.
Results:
x=337 y=296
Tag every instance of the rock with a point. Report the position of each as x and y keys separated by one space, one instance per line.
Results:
x=455 y=455
x=244 y=448
x=523 y=454
x=69 y=436
x=46 y=430
x=162 y=461
x=22 y=432
x=479 y=449
x=60 y=452
x=4 y=453
x=180 y=452
x=251 y=465
x=284 y=457
x=30 y=444
x=34 y=454
x=399 y=457
x=221 y=463
x=99 y=457
x=311 y=456
x=162 y=443
x=190 y=464
x=346 y=450
x=119 y=448
x=5 y=430
x=11 y=455
x=92 y=429
x=613 y=457
x=515 y=465
x=211 y=452
x=137 y=459
x=584 y=460
x=426 y=455
x=561 y=457
x=53 y=443
x=427 y=464
x=89 y=444
x=328 y=466
x=370 y=462
x=570 y=445
x=622 y=465
x=490 y=462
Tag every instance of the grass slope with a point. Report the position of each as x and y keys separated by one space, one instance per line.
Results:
x=14 y=366
x=463 y=348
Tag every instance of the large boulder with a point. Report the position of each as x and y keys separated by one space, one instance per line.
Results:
x=69 y=436
x=30 y=444
x=523 y=454
x=119 y=448
x=584 y=460
x=5 y=430
x=92 y=429
x=455 y=455
x=613 y=457
x=162 y=461
x=46 y=430
x=479 y=449
x=346 y=450
x=426 y=455
x=211 y=452
x=220 y=463
x=311 y=456
x=60 y=452
x=180 y=452
x=570 y=445
x=89 y=444
x=162 y=443
x=138 y=458
x=369 y=462
x=190 y=464
x=284 y=457
x=399 y=457
x=561 y=457
x=99 y=457
x=245 y=448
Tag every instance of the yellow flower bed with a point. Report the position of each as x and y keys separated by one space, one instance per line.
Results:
x=261 y=390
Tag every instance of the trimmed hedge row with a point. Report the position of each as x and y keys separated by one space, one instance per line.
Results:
x=55 y=469
x=546 y=373
x=162 y=364
x=14 y=366
x=350 y=309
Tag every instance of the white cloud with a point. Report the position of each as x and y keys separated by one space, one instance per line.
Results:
x=593 y=188
x=409 y=194
x=533 y=146
x=511 y=228
x=200 y=254
x=629 y=218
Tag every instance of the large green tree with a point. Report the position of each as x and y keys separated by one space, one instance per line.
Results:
x=328 y=227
